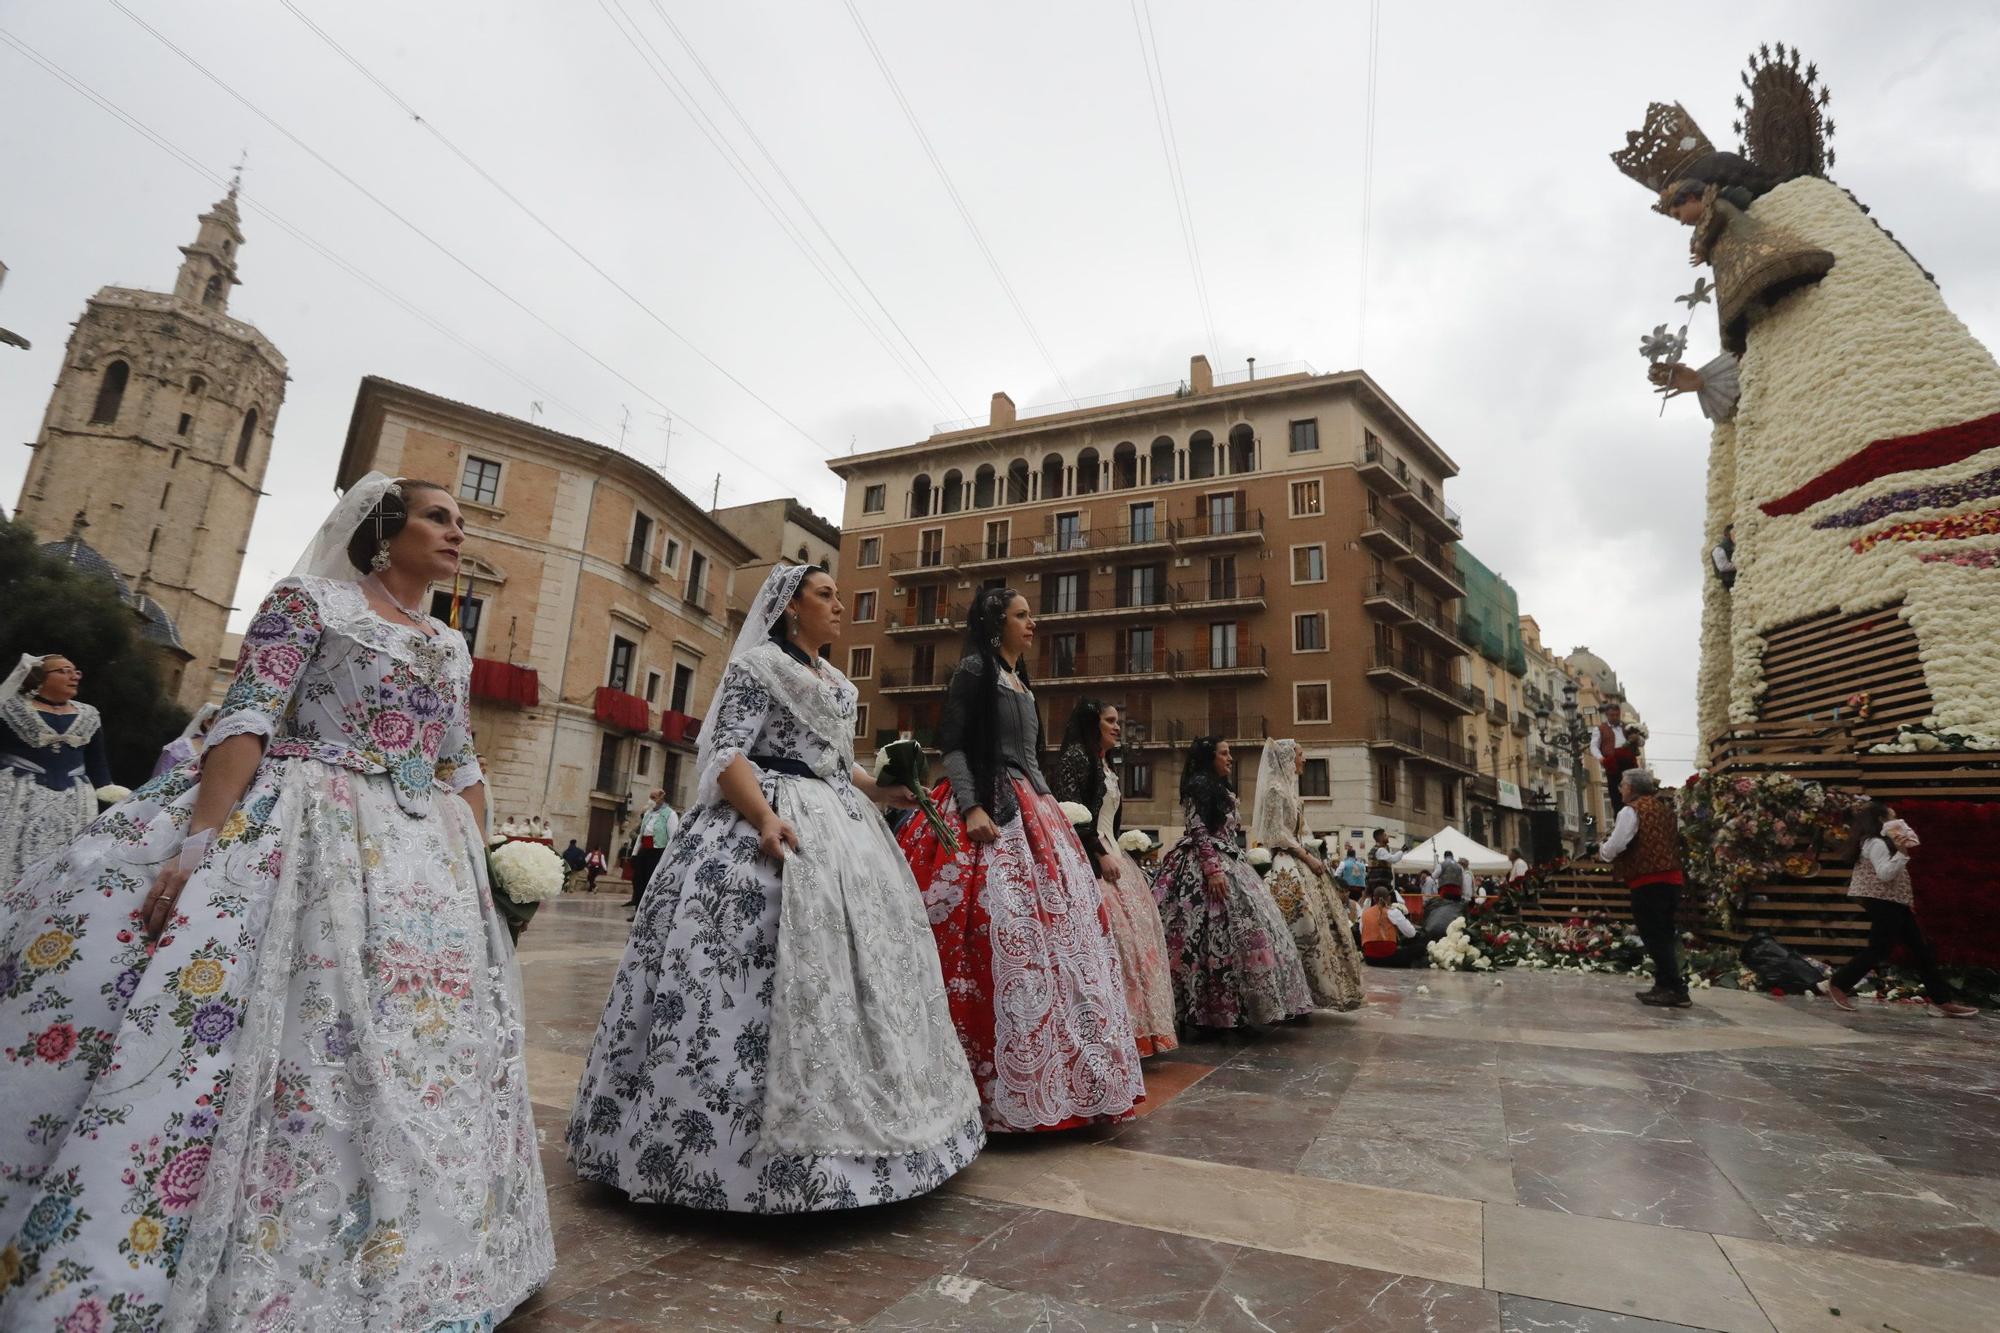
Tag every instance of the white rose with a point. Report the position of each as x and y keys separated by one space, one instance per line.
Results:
x=1259 y=857
x=528 y=872
x=1076 y=812
x=111 y=794
x=1135 y=841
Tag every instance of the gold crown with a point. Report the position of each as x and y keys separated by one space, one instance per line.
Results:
x=1659 y=152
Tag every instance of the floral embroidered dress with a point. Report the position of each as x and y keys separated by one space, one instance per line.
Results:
x=777 y=1038
x=1021 y=929
x=1128 y=901
x=308 y=1108
x=1233 y=960
x=51 y=765
x=1310 y=901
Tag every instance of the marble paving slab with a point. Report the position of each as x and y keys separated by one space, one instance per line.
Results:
x=1802 y=1289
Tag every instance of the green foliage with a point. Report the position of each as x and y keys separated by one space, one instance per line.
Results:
x=50 y=607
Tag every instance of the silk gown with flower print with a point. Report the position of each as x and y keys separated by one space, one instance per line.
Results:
x=1313 y=909
x=1232 y=956
x=777 y=1039
x=308 y=1109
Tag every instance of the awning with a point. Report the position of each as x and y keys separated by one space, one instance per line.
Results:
x=679 y=728
x=505 y=683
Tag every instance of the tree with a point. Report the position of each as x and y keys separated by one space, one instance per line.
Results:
x=51 y=607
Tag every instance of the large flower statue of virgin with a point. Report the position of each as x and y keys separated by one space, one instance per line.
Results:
x=1857 y=444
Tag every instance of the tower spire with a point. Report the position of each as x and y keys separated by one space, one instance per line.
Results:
x=208 y=270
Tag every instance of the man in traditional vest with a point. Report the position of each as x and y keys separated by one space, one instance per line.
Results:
x=1645 y=849
x=1609 y=747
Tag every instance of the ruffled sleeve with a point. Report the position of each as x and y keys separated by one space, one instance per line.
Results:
x=1070 y=780
x=743 y=706
x=458 y=760
x=280 y=642
x=1203 y=838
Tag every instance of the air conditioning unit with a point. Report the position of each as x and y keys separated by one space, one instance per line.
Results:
x=1182 y=562
x=1104 y=569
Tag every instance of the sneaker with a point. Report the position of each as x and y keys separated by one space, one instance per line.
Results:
x=1681 y=1000
x=1841 y=999
x=1645 y=996
x=1951 y=1010
x=1665 y=999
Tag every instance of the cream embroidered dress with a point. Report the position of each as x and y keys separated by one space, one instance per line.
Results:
x=308 y=1109
x=777 y=1038
x=1311 y=902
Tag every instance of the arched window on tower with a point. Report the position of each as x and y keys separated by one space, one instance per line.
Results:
x=1201 y=455
x=1086 y=472
x=110 y=393
x=1052 y=477
x=1017 y=482
x=1242 y=449
x=983 y=482
x=247 y=438
x=952 y=494
x=1160 y=462
x=1125 y=467
x=211 y=295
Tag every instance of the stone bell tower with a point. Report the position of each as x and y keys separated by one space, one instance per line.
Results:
x=157 y=436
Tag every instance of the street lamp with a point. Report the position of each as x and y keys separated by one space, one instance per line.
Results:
x=1567 y=735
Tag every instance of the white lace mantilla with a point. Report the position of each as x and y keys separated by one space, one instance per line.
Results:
x=31 y=723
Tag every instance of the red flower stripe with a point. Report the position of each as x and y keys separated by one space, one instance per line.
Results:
x=1903 y=453
x=1950 y=527
x=1984 y=557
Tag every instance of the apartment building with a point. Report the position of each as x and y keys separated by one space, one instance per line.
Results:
x=1551 y=781
x=1489 y=619
x=1255 y=554
x=596 y=599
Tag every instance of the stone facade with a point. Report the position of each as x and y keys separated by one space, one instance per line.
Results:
x=587 y=568
x=1253 y=557
x=158 y=435
x=1490 y=621
x=780 y=531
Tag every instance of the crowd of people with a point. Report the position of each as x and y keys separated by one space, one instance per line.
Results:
x=262 y=1022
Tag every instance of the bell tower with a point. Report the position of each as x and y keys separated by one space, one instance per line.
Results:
x=158 y=434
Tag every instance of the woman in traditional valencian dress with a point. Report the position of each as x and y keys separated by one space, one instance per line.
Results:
x=51 y=762
x=261 y=1025
x=190 y=743
x=1021 y=928
x=777 y=1038
x=1299 y=882
x=1233 y=960
x=1083 y=775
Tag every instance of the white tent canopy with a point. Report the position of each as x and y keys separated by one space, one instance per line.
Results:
x=1474 y=857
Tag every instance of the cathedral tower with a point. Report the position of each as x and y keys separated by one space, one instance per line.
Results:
x=158 y=435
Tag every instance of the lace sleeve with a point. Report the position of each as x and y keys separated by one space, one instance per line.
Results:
x=280 y=641
x=1203 y=839
x=1070 y=780
x=742 y=707
x=458 y=759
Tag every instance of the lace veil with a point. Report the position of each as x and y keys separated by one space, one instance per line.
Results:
x=815 y=698
x=19 y=675
x=326 y=555
x=1275 y=813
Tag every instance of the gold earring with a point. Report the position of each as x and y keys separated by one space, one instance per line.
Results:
x=380 y=560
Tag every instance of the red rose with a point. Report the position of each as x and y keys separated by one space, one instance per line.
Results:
x=56 y=1044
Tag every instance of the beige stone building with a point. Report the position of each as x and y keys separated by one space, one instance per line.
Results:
x=1551 y=782
x=597 y=602
x=1597 y=684
x=1254 y=557
x=156 y=440
x=780 y=531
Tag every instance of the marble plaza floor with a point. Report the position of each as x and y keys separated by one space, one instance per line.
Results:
x=1539 y=1154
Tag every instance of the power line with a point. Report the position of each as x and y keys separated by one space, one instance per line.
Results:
x=432 y=129
x=958 y=201
x=439 y=246
x=758 y=142
x=1367 y=184
x=217 y=178
x=656 y=65
x=1170 y=147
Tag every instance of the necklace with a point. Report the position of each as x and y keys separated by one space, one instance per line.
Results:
x=417 y=616
x=44 y=699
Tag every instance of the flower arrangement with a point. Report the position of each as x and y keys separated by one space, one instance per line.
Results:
x=903 y=763
x=1862 y=704
x=111 y=794
x=1076 y=812
x=1924 y=739
x=1739 y=831
x=1135 y=841
x=524 y=876
x=1457 y=952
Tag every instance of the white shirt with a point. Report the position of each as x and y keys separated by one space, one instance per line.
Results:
x=1401 y=922
x=1622 y=832
x=1723 y=564
x=1428 y=885
x=1597 y=741
x=1519 y=870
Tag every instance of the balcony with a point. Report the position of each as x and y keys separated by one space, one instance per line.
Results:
x=1485 y=788
x=1443 y=752
x=1055 y=547
x=1105 y=668
x=1221 y=666
x=1434 y=687
x=1435 y=633
x=921 y=562
x=1385 y=601
x=1432 y=515
x=1387 y=535
x=1432 y=565
x=1497 y=712
x=701 y=601
x=1521 y=722
x=1119 y=603
x=1381 y=470
x=1231 y=727
x=936 y=620
x=1401 y=736
x=679 y=728
x=1223 y=594
x=926 y=678
x=1226 y=527
x=617 y=708
x=1388 y=670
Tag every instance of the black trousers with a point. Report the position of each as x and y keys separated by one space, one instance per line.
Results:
x=1654 y=907
x=644 y=862
x=1890 y=924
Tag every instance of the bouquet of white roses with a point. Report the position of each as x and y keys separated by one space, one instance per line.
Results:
x=111 y=794
x=1135 y=841
x=903 y=763
x=1076 y=812
x=1259 y=858
x=524 y=875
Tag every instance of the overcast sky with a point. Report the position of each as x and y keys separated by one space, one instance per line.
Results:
x=1510 y=268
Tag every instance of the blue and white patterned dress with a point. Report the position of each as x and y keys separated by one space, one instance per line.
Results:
x=777 y=1038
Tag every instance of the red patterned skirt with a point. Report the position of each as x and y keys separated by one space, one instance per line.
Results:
x=1029 y=967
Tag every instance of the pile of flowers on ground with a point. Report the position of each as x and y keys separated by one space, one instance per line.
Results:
x=1739 y=831
x=1456 y=952
x=1480 y=944
x=1928 y=740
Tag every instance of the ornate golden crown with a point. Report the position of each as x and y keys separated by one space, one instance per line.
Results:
x=1658 y=152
